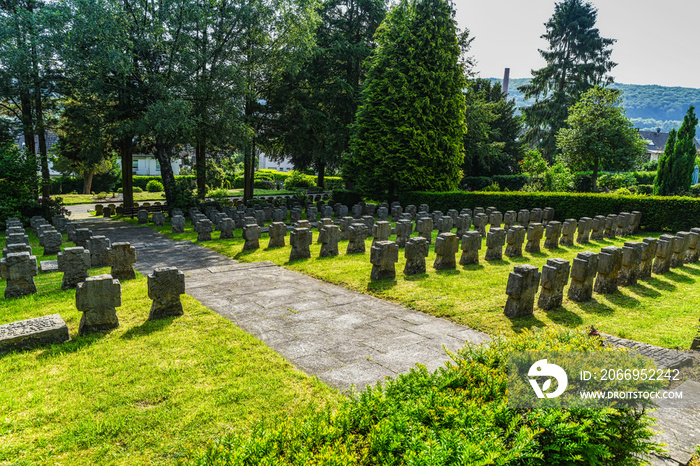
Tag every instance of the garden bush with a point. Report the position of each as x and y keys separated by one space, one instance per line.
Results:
x=511 y=182
x=614 y=181
x=659 y=213
x=474 y=183
x=646 y=189
x=333 y=182
x=298 y=180
x=646 y=177
x=154 y=186
x=458 y=414
x=694 y=190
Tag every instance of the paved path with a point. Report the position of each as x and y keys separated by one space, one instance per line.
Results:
x=344 y=337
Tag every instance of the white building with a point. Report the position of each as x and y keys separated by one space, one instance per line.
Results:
x=147 y=165
x=266 y=164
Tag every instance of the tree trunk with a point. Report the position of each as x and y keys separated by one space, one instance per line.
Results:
x=201 y=167
x=43 y=154
x=248 y=172
x=321 y=180
x=87 y=181
x=166 y=172
x=595 y=175
x=126 y=154
x=28 y=126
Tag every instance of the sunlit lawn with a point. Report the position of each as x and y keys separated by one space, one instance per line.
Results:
x=145 y=393
x=74 y=199
x=661 y=310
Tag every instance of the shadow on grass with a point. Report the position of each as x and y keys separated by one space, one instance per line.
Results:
x=148 y=327
x=519 y=324
x=471 y=267
x=562 y=316
x=679 y=277
x=380 y=285
x=622 y=300
x=659 y=284
x=499 y=263
x=447 y=272
x=76 y=343
x=644 y=291
x=416 y=277
x=595 y=307
x=692 y=270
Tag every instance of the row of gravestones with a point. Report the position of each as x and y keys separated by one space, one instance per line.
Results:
x=18 y=266
x=602 y=272
x=96 y=298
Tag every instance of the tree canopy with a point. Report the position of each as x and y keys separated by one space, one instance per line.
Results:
x=599 y=135
x=410 y=125
x=578 y=58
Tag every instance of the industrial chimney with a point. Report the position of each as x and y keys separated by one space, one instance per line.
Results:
x=506 y=79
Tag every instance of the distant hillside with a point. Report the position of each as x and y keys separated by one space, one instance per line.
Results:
x=648 y=106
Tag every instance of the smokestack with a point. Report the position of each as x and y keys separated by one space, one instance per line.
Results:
x=506 y=79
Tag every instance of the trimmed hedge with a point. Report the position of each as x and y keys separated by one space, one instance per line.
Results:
x=346 y=197
x=505 y=182
x=142 y=181
x=658 y=213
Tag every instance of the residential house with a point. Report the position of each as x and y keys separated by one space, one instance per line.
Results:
x=656 y=143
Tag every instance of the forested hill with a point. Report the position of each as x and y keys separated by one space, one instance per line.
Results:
x=648 y=106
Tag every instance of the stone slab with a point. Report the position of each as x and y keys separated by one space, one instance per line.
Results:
x=48 y=266
x=31 y=333
x=664 y=357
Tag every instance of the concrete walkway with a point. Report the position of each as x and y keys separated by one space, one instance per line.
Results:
x=343 y=337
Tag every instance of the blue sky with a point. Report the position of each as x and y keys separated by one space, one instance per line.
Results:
x=658 y=42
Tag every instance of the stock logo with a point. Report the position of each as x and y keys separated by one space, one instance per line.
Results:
x=542 y=369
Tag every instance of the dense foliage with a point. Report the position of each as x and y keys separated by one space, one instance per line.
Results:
x=676 y=164
x=658 y=213
x=491 y=144
x=457 y=415
x=410 y=125
x=578 y=58
x=599 y=135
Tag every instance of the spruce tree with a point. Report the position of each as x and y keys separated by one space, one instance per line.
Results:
x=578 y=58
x=409 y=128
x=663 y=180
x=675 y=172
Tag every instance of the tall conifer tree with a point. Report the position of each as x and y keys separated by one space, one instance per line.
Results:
x=409 y=128
x=578 y=58
x=676 y=164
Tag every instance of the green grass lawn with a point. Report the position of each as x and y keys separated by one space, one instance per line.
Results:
x=145 y=393
x=75 y=199
x=661 y=310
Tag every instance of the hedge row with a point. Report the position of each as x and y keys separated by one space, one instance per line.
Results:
x=658 y=213
x=509 y=182
x=142 y=181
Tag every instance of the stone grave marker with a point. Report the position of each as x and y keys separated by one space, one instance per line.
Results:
x=31 y=333
x=416 y=251
x=300 y=240
x=97 y=298
x=121 y=257
x=552 y=234
x=470 y=244
x=329 y=237
x=99 y=251
x=555 y=276
x=495 y=240
x=583 y=273
x=384 y=255
x=523 y=283
x=165 y=285
x=609 y=264
x=515 y=237
x=357 y=233
x=19 y=270
x=74 y=263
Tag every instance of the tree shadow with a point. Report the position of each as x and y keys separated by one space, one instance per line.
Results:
x=148 y=327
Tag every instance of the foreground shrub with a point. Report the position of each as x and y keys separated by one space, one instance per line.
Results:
x=457 y=415
x=298 y=180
